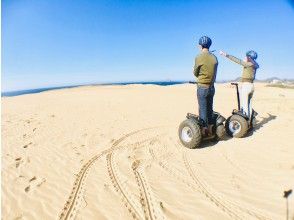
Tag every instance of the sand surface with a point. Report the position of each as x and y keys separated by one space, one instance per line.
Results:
x=112 y=152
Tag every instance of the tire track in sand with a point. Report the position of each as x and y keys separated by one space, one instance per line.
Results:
x=178 y=175
x=146 y=198
x=231 y=208
x=118 y=187
x=162 y=162
x=146 y=212
x=238 y=167
x=198 y=185
x=71 y=205
x=164 y=165
x=246 y=172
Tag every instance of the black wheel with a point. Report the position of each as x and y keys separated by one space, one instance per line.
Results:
x=190 y=133
x=220 y=132
x=236 y=126
x=253 y=122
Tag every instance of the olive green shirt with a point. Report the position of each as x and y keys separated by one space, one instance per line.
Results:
x=249 y=68
x=205 y=68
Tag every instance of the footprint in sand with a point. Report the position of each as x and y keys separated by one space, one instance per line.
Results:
x=27 y=189
x=25 y=146
x=32 y=179
x=153 y=142
x=19 y=217
x=235 y=183
x=18 y=161
x=161 y=205
x=21 y=161
x=34 y=183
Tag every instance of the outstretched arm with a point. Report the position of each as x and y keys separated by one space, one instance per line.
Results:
x=236 y=60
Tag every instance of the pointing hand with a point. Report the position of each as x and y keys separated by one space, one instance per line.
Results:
x=222 y=53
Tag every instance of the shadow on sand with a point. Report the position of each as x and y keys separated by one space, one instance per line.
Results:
x=213 y=142
x=261 y=123
x=208 y=143
x=264 y=121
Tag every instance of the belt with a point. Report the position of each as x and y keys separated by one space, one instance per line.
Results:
x=205 y=85
x=247 y=80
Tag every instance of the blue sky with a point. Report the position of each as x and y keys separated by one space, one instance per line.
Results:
x=56 y=42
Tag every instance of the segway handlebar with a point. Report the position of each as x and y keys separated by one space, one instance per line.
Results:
x=193 y=82
x=235 y=84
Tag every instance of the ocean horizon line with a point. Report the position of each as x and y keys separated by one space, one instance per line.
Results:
x=44 y=89
x=160 y=83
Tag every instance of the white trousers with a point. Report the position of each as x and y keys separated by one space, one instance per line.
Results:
x=246 y=94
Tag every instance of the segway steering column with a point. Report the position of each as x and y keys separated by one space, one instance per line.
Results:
x=238 y=97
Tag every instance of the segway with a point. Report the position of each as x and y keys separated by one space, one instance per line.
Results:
x=238 y=124
x=190 y=130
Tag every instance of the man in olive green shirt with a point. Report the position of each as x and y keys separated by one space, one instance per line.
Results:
x=248 y=76
x=205 y=69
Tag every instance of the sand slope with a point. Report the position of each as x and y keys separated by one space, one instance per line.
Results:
x=112 y=152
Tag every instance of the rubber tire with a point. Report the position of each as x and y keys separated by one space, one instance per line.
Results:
x=196 y=133
x=243 y=123
x=253 y=124
x=220 y=132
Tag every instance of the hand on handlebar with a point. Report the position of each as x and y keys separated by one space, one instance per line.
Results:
x=233 y=84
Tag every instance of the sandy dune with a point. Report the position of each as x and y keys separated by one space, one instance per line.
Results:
x=112 y=152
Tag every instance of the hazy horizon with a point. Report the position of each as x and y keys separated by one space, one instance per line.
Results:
x=128 y=82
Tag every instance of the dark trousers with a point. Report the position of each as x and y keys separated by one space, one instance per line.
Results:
x=205 y=103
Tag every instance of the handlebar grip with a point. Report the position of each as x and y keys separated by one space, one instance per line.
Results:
x=192 y=82
x=235 y=84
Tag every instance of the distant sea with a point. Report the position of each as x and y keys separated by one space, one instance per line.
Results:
x=31 y=91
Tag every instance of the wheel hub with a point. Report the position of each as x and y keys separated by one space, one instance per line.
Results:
x=186 y=134
x=235 y=127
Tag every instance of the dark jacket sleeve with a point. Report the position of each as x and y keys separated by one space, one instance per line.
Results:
x=197 y=66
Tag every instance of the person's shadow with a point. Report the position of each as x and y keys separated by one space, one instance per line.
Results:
x=261 y=123
x=208 y=143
